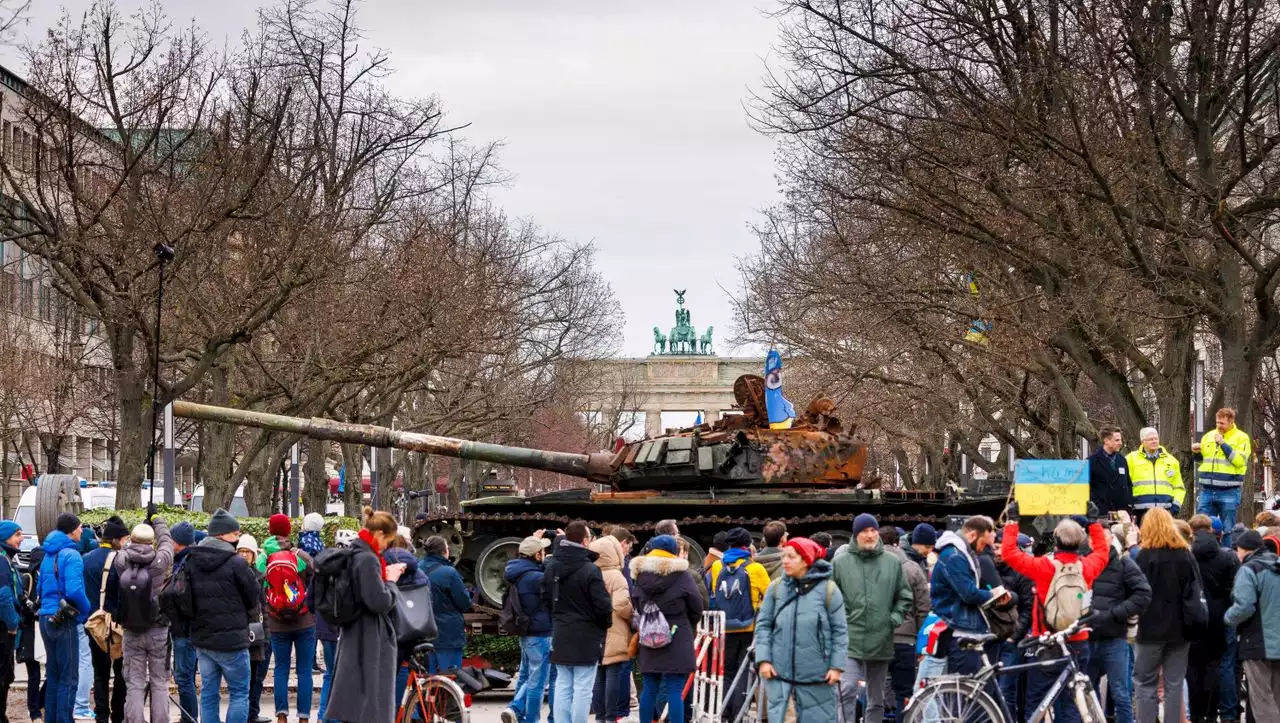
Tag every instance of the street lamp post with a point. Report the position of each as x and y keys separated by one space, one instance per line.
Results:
x=164 y=254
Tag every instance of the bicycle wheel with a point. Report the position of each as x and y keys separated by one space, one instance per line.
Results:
x=953 y=700
x=441 y=701
x=1087 y=702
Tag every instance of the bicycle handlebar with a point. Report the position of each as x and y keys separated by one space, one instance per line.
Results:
x=1060 y=638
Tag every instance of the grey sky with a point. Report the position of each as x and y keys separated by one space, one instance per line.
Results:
x=623 y=124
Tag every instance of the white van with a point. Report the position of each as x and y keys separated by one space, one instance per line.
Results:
x=238 y=507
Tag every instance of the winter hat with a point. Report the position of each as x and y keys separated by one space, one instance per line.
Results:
x=199 y=536
x=668 y=544
x=184 y=533
x=405 y=534
x=222 y=523
x=531 y=545
x=1249 y=541
x=737 y=537
x=313 y=522
x=924 y=534
x=67 y=523
x=807 y=549
x=280 y=525
x=8 y=528
x=1217 y=526
x=864 y=521
x=144 y=534
x=114 y=528
x=247 y=542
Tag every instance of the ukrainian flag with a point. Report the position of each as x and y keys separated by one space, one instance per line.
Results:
x=781 y=413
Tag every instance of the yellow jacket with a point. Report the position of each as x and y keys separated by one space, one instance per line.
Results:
x=1155 y=484
x=759 y=585
x=1224 y=465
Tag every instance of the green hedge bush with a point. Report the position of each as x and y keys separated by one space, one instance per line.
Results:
x=256 y=526
x=502 y=651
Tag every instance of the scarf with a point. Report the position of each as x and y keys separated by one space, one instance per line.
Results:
x=735 y=554
x=372 y=542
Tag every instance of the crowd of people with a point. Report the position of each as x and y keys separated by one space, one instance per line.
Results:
x=1182 y=617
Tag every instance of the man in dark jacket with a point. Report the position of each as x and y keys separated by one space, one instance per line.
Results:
x=224 y=598
x=923 y=539
x=1217 y=574
x=184 y=656
x=10 y=602
x=957 y=596
x=449 y=601
x=114 y=536
x=524 y=574
x=1109 y=485
x=581 y=612
x=1120 y=592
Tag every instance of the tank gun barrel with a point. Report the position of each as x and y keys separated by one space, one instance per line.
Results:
x=596 y=467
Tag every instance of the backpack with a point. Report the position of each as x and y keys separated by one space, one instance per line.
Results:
x=1064 y=603
x=137 y=609
x=652 y=627
x=176 y=599
x=733 y=597
x=333 y=587
x=512 y=619
x=286 y=593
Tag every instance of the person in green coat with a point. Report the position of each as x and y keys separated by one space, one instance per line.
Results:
x=876 y=600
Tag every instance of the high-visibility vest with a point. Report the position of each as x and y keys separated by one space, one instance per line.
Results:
x=1156 y=483
x=1220 y=469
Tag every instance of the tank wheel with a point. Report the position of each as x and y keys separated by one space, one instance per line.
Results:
x=490 y=567
x=55 y=494
x=451 y=535
x=839 y=537
x=696 y=553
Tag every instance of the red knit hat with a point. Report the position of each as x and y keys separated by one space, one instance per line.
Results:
x=280 y=525
x=807 y=549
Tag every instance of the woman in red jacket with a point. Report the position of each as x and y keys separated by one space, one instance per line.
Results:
x=1069 y=543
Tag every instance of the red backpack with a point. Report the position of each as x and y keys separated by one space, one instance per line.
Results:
x=286 y=593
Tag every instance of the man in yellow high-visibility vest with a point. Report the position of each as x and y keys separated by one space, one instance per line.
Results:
x=1223 y=454
x=1155 y=474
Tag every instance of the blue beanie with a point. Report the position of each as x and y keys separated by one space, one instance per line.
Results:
x=184 y=533
x=1217 y=527
x=666 y=543
x=199 y=536
x=864 y=521
x=924 y=534
x=8 y=528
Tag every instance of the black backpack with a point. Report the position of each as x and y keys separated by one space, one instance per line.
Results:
x=512 y=619
x=176 y=600
x=333 y=587
x=137 y=609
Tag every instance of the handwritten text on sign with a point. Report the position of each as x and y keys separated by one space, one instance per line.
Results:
x=1051 y=486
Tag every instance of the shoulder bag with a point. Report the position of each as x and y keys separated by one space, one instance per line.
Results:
x=101 y=627
x=412 y=616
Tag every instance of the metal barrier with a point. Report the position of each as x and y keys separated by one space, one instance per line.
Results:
x=708 y=679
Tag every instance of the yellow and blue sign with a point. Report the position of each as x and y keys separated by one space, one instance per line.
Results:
x=1051 y=486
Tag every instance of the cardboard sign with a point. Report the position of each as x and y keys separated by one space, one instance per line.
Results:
x=1051 y=486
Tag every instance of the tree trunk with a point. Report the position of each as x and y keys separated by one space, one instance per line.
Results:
x=353 y=496
x=53 y=453
x=316 y=481
x=135 y=418
x=218 y=447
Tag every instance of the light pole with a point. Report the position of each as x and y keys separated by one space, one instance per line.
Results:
x=164 y=254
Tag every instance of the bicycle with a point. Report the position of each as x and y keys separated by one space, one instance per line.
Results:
x=431 y=698
x=966 y=698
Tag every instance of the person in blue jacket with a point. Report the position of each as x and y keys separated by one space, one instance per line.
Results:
x=449 y=600
x=525 y=572
x=10 y=610
x=957 y=596
x=400 y=554
x=62 y=580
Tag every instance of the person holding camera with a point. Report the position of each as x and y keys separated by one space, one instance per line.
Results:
x=10 y=605
x=63 y=608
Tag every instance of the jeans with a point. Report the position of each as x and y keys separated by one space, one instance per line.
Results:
x=62 y=669
x=215 y=665
x=330 y=650
x=257 y=679
x=444 y=659
x=672 y=684
x=6 y=669
x=902 y=673
x=551 y=695
x=534 y=671
x=605 y=692
x=625 y=683
x=35 y=688
x=86 y=674
x=1229 y=680
x=1151 y=660
x=184 y=674
x=1220 y=502
x=282 y=646
x=871 y=672
x=736 y=646
x=1013 y=686
x=1110 y=657
x=108 y=695
x=1040 y=681
x=573 y=692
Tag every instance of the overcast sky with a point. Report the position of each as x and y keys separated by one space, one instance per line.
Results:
x=622 y=122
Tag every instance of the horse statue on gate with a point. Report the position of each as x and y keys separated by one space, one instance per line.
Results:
x=705 y=341
x=659 y=342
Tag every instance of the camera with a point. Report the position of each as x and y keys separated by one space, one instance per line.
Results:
x=67 y=613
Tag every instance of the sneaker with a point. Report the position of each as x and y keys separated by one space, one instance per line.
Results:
x=508 y=716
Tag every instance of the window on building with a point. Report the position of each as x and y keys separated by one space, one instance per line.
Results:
x=27 y=302
x=6 y=140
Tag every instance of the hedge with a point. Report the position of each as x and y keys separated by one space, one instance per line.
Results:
x=256 y=526
x=502 y=651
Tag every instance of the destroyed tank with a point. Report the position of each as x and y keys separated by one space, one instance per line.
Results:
x=736 y=471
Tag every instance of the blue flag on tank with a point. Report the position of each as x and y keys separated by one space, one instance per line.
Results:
x=780 y=410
